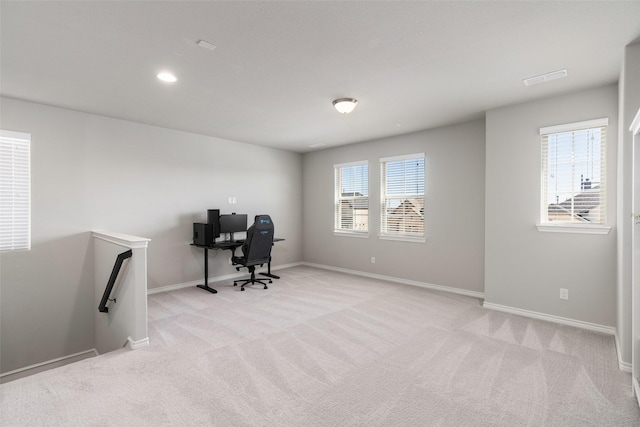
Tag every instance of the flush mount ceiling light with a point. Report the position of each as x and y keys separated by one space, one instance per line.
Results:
x=167 y=77
x=345 y=105
x=545 y=77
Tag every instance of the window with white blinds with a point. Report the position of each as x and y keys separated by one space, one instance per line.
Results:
x=574 y=173
x=15 y=204
x=352 y=198
x=402 y=196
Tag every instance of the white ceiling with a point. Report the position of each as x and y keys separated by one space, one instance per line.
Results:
x=278 y=65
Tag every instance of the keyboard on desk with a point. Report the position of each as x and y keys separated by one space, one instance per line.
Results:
x=227 y=244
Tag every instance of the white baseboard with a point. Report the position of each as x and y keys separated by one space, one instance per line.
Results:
x=45 y=366
x=609 y=330
x=449 y=289
x=636 y=389
x=283 y=266
x=622 y=365
x=214 y=279
x=134 y=345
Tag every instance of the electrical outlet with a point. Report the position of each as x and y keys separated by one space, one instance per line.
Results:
x=564 y=293
x=373 y=260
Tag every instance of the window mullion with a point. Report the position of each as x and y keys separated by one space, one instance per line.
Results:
x=573 y=172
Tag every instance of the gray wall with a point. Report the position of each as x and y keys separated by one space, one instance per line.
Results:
x=525 y=268
x=629 y=102
x=453 y=253
x=91 y=172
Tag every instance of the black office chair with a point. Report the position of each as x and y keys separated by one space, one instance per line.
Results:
x=256 y=249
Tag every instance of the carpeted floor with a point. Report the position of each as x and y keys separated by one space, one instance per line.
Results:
x=320 y=348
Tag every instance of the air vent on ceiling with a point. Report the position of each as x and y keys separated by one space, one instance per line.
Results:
x=206 y=45
x=545 y=77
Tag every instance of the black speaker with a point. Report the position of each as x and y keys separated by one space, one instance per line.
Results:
x=203 y=234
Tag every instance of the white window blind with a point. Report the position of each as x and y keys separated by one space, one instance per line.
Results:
x=15 y=204
x=352 y=197
x=574 y=173
x=402 y=196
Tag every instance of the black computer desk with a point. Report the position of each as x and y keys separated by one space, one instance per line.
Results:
x=230 y=246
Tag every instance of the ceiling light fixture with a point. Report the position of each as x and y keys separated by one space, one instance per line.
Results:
x=545 y=77
x=345 y=105
x=167 y=77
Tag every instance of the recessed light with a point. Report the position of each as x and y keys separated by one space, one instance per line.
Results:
x=545 y=77
x=167 y=77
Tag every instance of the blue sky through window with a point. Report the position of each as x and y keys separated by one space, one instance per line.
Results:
x=574 y=163
x=405 y=177
x=355 y=179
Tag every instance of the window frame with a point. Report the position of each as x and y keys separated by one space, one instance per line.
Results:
x=339 y=197
x=384 y=233
x=544 y=224
x=15 y=168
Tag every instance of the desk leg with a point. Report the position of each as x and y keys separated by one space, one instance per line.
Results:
x=206 y=274
x=268 y=273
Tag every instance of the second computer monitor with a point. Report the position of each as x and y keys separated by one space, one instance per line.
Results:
x=233 y=223
x=213 y=221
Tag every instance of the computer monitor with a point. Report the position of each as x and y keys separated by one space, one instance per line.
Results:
x=213 y=219
x=233 y=223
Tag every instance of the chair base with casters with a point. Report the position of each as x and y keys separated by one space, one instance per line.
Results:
x=251 y=280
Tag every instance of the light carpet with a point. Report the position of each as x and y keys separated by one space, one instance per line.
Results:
x=320 y=348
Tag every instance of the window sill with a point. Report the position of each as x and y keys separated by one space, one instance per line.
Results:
x=574 y=228
x=351 y=234
x=403 y=238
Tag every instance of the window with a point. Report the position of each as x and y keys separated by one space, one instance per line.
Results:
x=574 y=175
x=352 y=198
x=402 y=197
x=15 y=191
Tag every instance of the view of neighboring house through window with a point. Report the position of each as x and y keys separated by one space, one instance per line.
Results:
x=402 y=196
x=574 y=172
x=15 y=205
x=352 y=197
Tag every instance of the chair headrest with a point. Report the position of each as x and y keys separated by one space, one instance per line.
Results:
x=262 y=219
